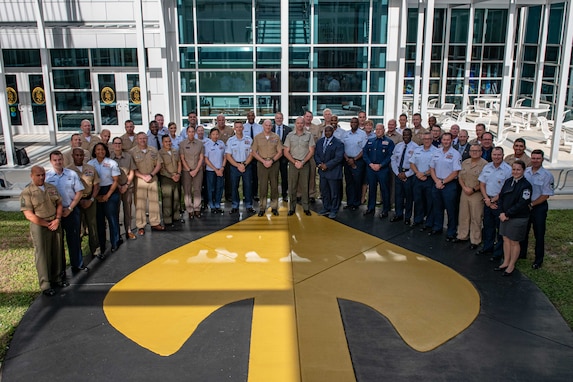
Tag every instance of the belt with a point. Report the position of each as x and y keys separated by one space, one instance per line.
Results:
x=53 y=217
x=490 y=196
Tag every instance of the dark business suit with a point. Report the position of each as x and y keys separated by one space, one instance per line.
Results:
x=331 y=178
x=283 y=162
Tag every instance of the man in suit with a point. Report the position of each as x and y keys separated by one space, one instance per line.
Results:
x=282 y=131
x=328 y=155
x=462 y=145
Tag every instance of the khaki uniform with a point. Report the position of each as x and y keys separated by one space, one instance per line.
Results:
x=417 y=137
x=509 y=159
x=316 y=132
x=92 y=142
x=471 y=206
x=48 y=245
x=126 y=143
x=267 y=149
x=69 y=160
x=191 y=152
x=126 y=164
x=298 y=179
x=169 y=188
x=395 y=136
x=89 y=178
x=146 y=193
x=226 y=133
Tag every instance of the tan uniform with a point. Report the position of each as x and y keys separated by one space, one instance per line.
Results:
x=395 y=136
x=509 y=159
x=267 y=149
x=89 y=145
x=191 y=152
x=48 y=245
x=316 y=131
x=126 y=164
x=169 y=188
x=417 y=137
x=471 y=206
x=126 y=143
x=146 y=193
x=298 y=179
x=89 y=178
x=226 y=133
x=69 y=160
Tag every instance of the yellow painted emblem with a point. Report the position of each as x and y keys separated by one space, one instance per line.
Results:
x=12 y=95
x=295 y=268
x=107 y=95
x=38 y=96
x=135 y=95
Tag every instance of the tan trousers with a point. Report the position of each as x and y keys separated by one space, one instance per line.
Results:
x=126 y=201
x=192 y=191
x=267 y=175
x=48 y=254
x=470 y=217
x=147 y=195
x=170 y=199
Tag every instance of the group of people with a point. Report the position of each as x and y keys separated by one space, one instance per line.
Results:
x=422 y=172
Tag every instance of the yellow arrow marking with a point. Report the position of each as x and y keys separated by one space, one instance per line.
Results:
x=281 y=262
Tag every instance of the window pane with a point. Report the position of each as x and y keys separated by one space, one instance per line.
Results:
x=268 y=57
x=114 y=57
x=187 y=57
x=555 y=22
x=225 y=58
x=376 y=105
x=299 y=22
x=267 y=106
x=377 y=81
x=533 y=25
x=529 y=71
x=412 y=32
x=496 y=25
x=72 y=79
x=378 y=59
x=341 y=105
x=224 y=22
x=342 y=22
x=188 y=104
x=298 y=105
x=439 y=25
x=225 y=82
x=340 y=82
x=39 y=113
x=268 y=21
x=549 y=72
x=341 y=58
x=459 y=26
x=298 y=81
x=69 y=57
x=552 y=54
x=188 y=82
x=268 y=82
x=185 y=21
x=71 y=122
x=13 y=99
x=456 y=69
x=530 y=53
x=380 y=22
x=493 y=53
x=455 y=86
x=478 y=25
x=73 y=101
x=457 y=52
x=21 y=58
x=231 y=105
x=134 y=99
x=299 y=57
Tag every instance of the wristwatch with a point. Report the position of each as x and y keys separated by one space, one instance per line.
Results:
x=71 y=208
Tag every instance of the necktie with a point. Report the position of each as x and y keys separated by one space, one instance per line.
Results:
x=252 y=133
x=157 y=141
x=400 y=168
x=326 y=141
x=280 y=132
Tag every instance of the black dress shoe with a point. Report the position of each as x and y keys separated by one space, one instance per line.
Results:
x=481 y=252
x=312 y=200
x=416 y=224
x=285 y=198
x=79 y=269
x=424 y=229
x=346 y=207
x=290 y=213
x=450 y=239
x=499 y=269
x=368 y=212
x=251 y=210
x=383 y=215
x=307 y=213
x=113 y=249
x=395 y=218
x=473 y=246
x=275 y=212
x=63 y=284
x=49 y=292
x=535 y=266
x=261 y=213
x=435 y=232
x=506 y=274
x=407 y=221
x=233 y=211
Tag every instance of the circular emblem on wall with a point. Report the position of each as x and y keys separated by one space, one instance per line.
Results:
x=135 y=95
x=38 y=96
x=107 y=95
x=12 y=96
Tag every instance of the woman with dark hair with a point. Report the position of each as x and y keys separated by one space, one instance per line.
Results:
x=108 y=196
x=514 y=200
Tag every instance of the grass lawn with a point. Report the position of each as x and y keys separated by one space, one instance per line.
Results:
x=19 y=282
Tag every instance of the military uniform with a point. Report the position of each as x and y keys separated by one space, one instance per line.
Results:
x=378 y=151
x=89 y=144
x=128 y=142
x=170 y=188
x=89 y=178
x=316 y=131
x=190 y=152
x=417 y=136
x=126 y=164
x=509 y=159
x=69 y=160
x=48 y=245
x=444 y=163
x=240 y=150
x=298 y=179
x=471 y=206
x=146 y=193
x=268 y=149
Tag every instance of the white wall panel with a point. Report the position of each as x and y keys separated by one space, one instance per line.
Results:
x=17 y=11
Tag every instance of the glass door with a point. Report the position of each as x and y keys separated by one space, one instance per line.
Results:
x=27 y=102
x=119 y=100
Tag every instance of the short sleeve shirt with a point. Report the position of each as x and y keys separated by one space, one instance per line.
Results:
x=444 y=163
x=67 y=183
x=125 y=163
x=145 y=161
x=89 y=177
x=191 y=151
x=42 y=202
x=470 y=172
x=494 y=177
x=299 y=145
x=107 y=169
x=240 y=149
x=354 y=142
x=215 y=152
x=421 y=158
x=541 y=182
x=267 y=147
x=170 y=162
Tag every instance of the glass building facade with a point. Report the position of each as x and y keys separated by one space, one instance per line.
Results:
x=213 y=56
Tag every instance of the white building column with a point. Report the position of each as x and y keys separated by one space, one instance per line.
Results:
x=284 y=60
x=395 y=60
x=562 y=83
x=5 y=115
x=428 y=28
x=541 y=55
x=141 y=61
